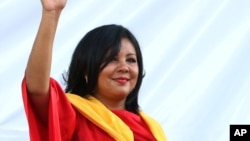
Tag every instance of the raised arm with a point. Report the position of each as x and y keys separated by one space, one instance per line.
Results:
x=39 y=64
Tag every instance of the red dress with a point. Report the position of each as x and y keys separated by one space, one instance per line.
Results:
x=67 y=124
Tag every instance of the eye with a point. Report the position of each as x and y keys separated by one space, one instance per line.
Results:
x=132 y=60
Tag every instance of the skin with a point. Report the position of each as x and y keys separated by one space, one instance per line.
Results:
x=109 y=91
x=39 y=64
x=118 y=78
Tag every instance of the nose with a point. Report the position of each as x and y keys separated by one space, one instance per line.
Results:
x=123 y=67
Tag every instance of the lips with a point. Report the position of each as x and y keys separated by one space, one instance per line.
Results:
x=122 y=80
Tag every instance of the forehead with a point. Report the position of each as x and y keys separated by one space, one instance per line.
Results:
x=127 y=47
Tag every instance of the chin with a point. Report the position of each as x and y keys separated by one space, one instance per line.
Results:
x=122 y=94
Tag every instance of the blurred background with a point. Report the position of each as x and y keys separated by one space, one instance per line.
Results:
x=196 y=57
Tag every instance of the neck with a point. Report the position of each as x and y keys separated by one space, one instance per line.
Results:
x=112 y=104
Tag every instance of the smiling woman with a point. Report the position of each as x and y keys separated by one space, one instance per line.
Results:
x=105 y=56
x=103 y=82
x=118 y=79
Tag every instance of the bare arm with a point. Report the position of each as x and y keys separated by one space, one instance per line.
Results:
x=39 y=63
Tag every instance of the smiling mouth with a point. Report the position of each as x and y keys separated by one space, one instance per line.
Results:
x=121 y=81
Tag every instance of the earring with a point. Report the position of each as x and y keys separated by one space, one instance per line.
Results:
x=86 y=79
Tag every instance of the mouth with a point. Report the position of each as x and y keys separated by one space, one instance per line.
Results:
x=122 y=80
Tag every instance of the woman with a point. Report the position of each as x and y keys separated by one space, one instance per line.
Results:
x=103 y=81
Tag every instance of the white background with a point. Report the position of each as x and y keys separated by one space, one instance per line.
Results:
x=196 y=56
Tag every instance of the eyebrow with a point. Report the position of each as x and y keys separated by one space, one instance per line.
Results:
x=131 y=54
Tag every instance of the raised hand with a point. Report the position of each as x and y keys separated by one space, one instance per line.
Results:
x=53 y=5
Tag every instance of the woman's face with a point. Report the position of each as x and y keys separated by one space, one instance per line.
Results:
x=118 y=78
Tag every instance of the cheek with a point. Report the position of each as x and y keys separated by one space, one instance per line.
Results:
x=135 y=74
x=105 y=75
x=135 y=71
x=102 y=84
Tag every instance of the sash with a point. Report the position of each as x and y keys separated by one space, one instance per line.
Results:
x=101 y=116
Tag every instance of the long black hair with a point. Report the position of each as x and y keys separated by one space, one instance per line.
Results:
x=94 y=51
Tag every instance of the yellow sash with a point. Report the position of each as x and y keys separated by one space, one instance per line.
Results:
x=101 y=116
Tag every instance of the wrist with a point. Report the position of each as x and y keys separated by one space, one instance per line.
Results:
x=52 y=13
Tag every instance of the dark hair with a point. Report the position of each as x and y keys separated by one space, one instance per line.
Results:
x=95 y=50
